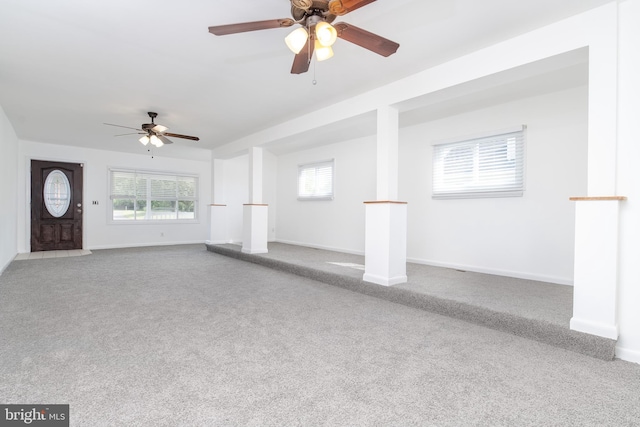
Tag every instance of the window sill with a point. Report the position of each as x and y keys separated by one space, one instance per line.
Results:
x=154 y=222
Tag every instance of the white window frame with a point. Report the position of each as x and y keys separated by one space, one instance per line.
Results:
x=316 y=193
x=486 y=165
x=148 y=197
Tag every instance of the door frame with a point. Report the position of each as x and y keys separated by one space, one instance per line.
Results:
x=27 y=228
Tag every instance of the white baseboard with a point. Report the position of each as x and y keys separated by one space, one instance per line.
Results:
x=594 y=328
x=628 y=355
x=326 y=248
x=217 y=242
x=254 y=251
x=496 y=272
x=142 y=245
x=384 y=281
x=475 y=269
x=4 y=267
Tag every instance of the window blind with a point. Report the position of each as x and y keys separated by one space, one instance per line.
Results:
x=315 y=181
x=139 y=195
x=491 y=166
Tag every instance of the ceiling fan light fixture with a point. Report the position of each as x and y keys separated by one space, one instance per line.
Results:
x=144 y=140
x=156 y=141
x=297 y=39
x=159 y=128
x=326 y=34
x=323 y=52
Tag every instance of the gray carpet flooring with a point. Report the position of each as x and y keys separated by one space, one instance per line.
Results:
x=179 y=336
x=527 y=308
x=527 y=298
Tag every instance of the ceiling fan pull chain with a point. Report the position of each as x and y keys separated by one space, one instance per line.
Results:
x=314 y=81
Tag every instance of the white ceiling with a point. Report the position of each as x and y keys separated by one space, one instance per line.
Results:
x=68 y=66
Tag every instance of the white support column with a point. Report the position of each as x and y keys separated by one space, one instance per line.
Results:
x=385 y=243
x=217 y=225
x=387 y=154
x=255 y=175
x=386 y=219
x=595 y=287
x=596 y=266
x=255 y=223
x=218 y=230
x=254 y=229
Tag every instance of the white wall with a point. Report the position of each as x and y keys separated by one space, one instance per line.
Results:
x=337 y=224
x=8 y=191
x=98 y=232
x=628 y=178
x=530 y=236
x=235 y=187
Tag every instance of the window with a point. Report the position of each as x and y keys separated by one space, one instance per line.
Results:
x=488 y=166
x=315 y=181
x=152 y=196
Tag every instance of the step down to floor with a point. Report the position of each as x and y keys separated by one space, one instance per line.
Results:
x=538 y=330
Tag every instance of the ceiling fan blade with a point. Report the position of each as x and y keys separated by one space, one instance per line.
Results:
x=302 y=59
x=133 y=133
x=164 y=140
x=126 y=127
x=365 y=39
x=177 y=135
x=342 y=7
x=223 y=30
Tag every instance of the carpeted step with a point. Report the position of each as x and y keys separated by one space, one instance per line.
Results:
x=538 y=330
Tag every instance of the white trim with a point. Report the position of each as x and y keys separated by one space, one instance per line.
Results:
x=217 y=242
x=326 y=248
x=4 y=267
x=478 y=171
x=254 y=251
x=384 y=281
x=628 y=354
x=144 y=245
x=152 y=171
x=111 y=221
x=29 y=158
x=496 y=272
x=315 y=165
x=486 y=134
x=301 y=165
x=594 y=328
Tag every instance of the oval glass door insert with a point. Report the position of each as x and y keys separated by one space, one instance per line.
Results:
x=57 y=193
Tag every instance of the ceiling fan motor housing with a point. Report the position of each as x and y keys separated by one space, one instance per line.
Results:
x=316 y=8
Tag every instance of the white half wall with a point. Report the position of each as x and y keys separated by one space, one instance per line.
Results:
x=98 y=232
x=8 y=191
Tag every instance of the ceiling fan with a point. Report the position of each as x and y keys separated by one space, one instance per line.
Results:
x=316 y=32
x=154 y=133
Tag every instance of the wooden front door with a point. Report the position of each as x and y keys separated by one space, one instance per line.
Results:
x=56 y=206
